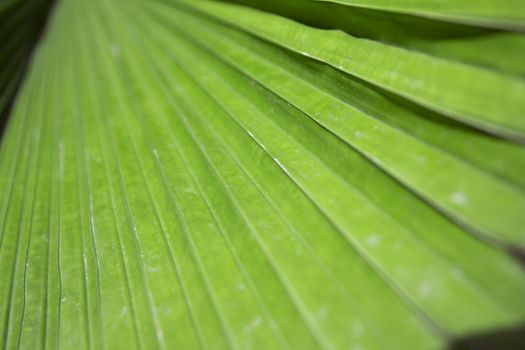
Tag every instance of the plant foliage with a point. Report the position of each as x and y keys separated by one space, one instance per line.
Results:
x=265 y=174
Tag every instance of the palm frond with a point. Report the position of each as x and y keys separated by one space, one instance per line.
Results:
x=200 y=174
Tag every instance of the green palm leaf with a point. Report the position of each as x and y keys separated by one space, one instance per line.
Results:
x=504 y=14
x=196 y=174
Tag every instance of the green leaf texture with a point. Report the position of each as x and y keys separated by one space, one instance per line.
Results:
x=503 y=13
x=205 y=175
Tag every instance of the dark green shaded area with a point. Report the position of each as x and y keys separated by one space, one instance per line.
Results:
x=21 y=25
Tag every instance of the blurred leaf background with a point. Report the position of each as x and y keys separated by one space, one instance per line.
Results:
x=299 y=174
